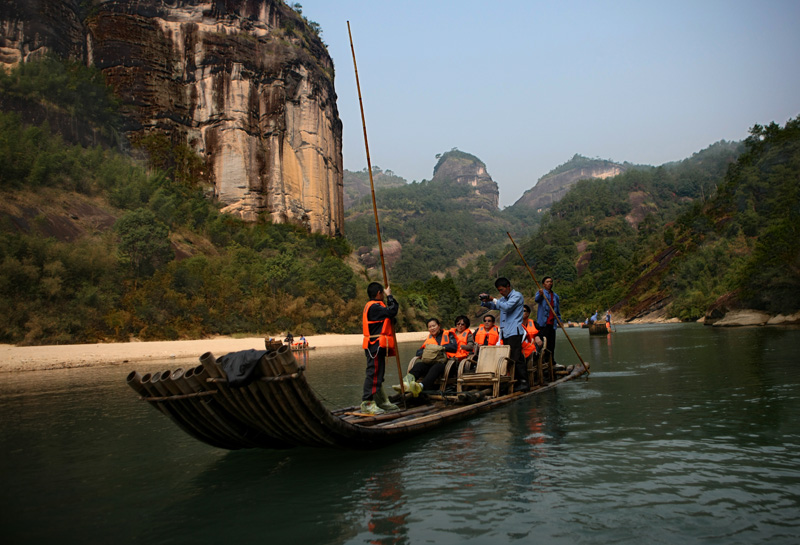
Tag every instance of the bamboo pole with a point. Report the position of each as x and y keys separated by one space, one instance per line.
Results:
x=375 y=211
x=561 y=325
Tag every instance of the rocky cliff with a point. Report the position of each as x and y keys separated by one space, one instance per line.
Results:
x=554 y=185
x=467 y=170
x=246 y=83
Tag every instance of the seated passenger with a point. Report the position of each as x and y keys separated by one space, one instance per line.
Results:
x=464 y=339
x=487 y=334
x=531 y=342
x=423 y=375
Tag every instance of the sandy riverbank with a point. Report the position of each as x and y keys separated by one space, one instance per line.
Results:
x=40 y=358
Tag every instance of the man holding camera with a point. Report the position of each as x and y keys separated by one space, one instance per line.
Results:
x=510 y=305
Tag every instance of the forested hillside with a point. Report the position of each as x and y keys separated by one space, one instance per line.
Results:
x=95 y=245
x=740 y=249
x=681 y=238
x=438 y=224
x=596 y=241
x=357 y=187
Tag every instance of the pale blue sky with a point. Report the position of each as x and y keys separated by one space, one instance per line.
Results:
x=524 y=85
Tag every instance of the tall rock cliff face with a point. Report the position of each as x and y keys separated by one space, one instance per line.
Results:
x=465 y=169
x=553 y=186
x=30 y=29
x=245 y=83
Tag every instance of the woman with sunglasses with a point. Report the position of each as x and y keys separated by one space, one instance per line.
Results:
x=464 y=339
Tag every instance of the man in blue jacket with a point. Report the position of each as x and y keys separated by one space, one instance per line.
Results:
x=511 y=305
x=546 y=321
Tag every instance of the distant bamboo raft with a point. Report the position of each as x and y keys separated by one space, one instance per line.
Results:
x=599 y=328
x=279 y=409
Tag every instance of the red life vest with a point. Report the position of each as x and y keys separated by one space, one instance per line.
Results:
x=528 y=346
x=481 y=334
x=461 y=352
x=386 y=335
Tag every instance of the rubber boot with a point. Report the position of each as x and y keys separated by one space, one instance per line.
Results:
x=370 y=407
x=382 y=401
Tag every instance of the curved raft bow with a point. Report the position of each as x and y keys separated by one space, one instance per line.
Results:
x=278 y=409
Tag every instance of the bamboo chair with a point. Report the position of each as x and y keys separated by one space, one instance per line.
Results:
x=536 y=366
x=546 y=363
x=494 y=368
x=442 y=382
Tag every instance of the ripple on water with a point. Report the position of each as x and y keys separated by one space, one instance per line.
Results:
x=614 y=374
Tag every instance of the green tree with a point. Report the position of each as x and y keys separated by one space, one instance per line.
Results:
x=144 y=242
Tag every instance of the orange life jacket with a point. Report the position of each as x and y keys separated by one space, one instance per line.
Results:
x=386 y=335
x=481 y=334
x=461 y=352
x=528 y=346
x=432 y=340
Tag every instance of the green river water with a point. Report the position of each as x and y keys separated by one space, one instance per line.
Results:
x=682 y=434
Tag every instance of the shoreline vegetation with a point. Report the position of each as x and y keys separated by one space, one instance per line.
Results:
x=68 y=356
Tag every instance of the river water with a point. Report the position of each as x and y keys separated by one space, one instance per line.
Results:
x=682 y=434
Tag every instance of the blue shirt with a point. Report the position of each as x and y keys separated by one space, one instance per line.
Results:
x=510 y=313
x=543 y=312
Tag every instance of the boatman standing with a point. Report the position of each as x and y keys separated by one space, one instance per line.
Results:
x=545 y=318
x=510 y=305
x=378 y=330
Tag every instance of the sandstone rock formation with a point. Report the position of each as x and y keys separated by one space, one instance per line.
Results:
x=781 y=319
x=246 y=83
x=745 y=317
x=552 y=187
x=465 y=169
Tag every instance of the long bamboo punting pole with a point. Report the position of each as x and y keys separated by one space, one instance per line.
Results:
x=538 y=287
x=375 y=210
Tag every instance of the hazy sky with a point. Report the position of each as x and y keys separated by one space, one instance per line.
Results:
x=525 y=85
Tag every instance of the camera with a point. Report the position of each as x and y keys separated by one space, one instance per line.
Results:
x=484 y=297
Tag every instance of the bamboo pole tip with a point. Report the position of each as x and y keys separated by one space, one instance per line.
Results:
x=207 y=357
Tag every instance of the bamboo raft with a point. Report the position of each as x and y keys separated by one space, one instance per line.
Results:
x=279 y=410
x=598 y=328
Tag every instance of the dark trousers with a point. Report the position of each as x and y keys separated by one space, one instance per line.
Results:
x=376 y=366
x=549 y=333
x=520 y=369
x=428 y=373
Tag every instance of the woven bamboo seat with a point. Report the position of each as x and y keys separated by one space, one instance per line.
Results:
x=537 y=366
x=494 y=367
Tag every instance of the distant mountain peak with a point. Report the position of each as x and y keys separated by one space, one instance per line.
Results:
x=465 y=169
x=554 y=185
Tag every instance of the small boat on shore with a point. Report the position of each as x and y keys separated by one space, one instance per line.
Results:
x=278 y=409
x=299 y=346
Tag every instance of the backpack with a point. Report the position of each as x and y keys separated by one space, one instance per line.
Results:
x=433 y=353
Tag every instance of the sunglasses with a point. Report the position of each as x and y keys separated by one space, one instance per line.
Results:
x=488 y=321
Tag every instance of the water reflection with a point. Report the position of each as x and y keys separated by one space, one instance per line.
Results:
x=681 y=433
